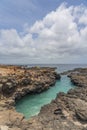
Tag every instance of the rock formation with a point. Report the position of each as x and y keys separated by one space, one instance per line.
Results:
x=66 y=112
x=16 y=82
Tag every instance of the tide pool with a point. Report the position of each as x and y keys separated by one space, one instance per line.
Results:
x=30 y=105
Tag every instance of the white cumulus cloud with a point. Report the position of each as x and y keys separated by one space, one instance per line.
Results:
x=61 y=36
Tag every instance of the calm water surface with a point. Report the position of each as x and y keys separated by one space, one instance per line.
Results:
x=61 y=67
x=30 y=105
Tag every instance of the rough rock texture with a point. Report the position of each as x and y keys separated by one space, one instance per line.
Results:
x=15 y=82
x=79 y=77
x=67 y=111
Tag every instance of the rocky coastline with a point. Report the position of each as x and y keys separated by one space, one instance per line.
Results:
x=16 y=82
x=66 y=112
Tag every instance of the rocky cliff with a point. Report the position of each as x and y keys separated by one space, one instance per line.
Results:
x=16 y=82
x=67 y=111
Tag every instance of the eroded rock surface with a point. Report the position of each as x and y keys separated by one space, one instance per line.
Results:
x=16 y=82
x=67 y=111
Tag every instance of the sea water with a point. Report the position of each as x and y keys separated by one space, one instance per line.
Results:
x=30 y=105
x=60 y=67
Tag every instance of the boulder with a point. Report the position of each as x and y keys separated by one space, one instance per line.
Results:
x=25 y=81
x=81 y=115
x=8 y=88
x=58 y=111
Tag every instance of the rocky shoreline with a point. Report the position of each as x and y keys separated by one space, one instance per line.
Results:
x=16 y=82
x=66 y=112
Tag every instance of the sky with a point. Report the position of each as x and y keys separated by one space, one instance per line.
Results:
x=43 y=31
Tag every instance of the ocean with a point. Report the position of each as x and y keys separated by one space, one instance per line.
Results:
x=60 y=67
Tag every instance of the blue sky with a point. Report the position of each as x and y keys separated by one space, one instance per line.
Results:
x=43 y=31
x=16 y=13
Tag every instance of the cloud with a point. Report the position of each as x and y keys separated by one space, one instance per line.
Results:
x=61 y=36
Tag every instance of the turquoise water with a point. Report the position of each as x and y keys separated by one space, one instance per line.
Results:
x=30 y=105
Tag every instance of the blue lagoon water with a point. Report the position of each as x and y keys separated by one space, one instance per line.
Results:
x=30 y=105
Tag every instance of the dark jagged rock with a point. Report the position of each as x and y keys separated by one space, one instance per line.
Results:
x=21 y=81
x=58 y=111
x=66 y=112
x=8 y=88
x=82 y=115
x=57 y=76
x=16 y=82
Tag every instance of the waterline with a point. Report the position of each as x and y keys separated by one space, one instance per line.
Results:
x=30 y=105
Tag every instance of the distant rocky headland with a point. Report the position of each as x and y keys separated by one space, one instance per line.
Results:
x=16 y=82
x=66 y=112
